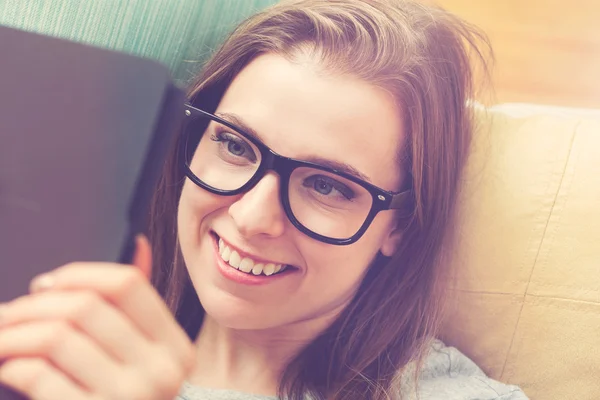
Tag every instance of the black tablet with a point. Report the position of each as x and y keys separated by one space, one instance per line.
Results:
x=83 y=136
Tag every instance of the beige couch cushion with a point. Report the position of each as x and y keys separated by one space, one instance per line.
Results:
x=527 y=304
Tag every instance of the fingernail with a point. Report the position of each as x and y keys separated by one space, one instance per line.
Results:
x=41 y=282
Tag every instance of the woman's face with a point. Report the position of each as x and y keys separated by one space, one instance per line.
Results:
x=299 y=111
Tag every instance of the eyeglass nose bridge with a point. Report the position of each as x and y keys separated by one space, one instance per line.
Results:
x=272 y=161
x=283 y=167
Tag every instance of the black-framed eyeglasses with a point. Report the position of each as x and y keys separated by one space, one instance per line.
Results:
x=332 y=206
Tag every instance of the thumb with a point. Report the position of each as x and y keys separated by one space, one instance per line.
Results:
x=142 y=258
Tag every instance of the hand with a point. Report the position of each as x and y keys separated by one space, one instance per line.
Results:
x=94 y=331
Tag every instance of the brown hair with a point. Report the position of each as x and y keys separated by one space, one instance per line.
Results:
x=421 y=55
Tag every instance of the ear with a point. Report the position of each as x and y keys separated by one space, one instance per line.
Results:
x=391 y=242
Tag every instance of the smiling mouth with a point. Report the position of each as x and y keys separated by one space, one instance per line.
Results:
x=247 y=265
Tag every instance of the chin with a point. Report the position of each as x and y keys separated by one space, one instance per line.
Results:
x=236 y=313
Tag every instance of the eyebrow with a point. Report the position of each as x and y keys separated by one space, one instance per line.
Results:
x=336 y=165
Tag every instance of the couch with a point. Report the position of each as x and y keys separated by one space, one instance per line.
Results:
x=525 y=300
x=526 y=276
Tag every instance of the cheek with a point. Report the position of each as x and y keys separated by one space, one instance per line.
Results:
x=195 y=205
x=334 y=273
x=349 y=264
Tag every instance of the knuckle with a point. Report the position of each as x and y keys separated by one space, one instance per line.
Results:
x=186 y=351
x=57 y=333
x=168 y=387
x=166 y=373
x=85 y=304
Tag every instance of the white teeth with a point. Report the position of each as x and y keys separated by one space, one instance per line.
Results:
x=234 y=259
x=269 y=269
x=246 y=265
x=258 y=269
x=226 y=253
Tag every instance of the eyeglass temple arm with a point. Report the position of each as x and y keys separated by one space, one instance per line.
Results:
x=400 y=200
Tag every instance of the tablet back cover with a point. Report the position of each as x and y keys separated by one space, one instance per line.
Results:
x=83 y=136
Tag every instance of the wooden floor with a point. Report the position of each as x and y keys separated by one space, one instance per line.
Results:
x=547 y=51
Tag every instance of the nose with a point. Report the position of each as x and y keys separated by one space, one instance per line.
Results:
x=259 y=211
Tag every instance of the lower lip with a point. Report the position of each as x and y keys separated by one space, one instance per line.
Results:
x=241 y=277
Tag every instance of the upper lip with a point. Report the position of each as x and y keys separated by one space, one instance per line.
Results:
x=254 y=257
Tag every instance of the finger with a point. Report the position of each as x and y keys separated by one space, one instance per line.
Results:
x=130 y=291
x=38 y=380
x=143 y=256
x=87 y=311
x=73 y=353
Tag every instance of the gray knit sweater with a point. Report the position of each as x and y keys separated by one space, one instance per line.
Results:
x=447 y=375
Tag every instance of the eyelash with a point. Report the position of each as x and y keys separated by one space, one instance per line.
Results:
x=219 y=137
x=222 y=137
x=345 y=191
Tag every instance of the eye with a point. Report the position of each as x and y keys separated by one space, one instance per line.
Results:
x=234 y=145
x=235 y=148
x=327 y=186
x=322 y=187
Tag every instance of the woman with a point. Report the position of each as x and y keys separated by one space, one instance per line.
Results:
x=298 y=233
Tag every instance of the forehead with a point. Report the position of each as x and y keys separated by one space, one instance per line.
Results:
x=300 y=111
